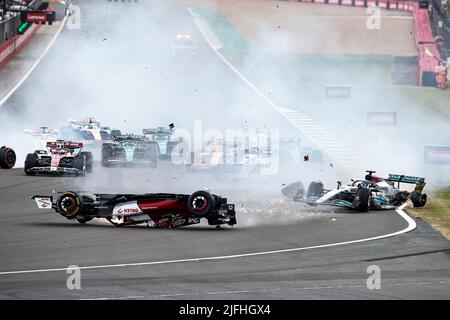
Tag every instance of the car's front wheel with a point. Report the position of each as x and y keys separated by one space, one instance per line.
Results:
x=364 y=197
x=30 y=162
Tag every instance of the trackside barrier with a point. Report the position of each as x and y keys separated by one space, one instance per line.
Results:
x=422 y=31
x=15 y=44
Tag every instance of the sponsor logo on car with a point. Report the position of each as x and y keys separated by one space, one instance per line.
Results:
x=127 y=208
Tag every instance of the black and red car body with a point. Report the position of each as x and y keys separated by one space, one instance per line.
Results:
x=163 y=210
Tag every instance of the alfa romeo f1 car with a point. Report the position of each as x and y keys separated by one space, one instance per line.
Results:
x=371 y=193
x=157 y=210
x=130 y=150
x=61 y=157
x=7 y=158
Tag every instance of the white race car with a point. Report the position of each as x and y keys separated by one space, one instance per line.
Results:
x=89 y=131
x=43 y=133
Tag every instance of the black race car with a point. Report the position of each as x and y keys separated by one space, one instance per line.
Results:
x=130 y=150
x=7 y=158
x=158 y=210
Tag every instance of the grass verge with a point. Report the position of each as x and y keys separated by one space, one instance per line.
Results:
x=436 y=212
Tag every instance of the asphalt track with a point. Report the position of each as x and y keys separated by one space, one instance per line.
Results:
x=413 y=265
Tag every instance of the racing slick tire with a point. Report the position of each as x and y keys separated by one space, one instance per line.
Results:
x=80 y=163
x=418 y=199
x=7 y=158
x=315 y=189
x=152 y=154
x=30 y=162
x=115 y=133
x=201 y=204
x=107 y=153
x=89 y=160
x=70 y=204
x=365 y=199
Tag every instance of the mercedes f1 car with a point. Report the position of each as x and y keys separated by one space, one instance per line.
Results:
x=164 y=139
x=7 y=158
x=371 y=193
x=130 y=150
x=157 y=210
x=60 y=157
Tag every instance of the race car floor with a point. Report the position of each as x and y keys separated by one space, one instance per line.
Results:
x=414 y=265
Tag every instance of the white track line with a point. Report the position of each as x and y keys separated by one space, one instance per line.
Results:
x=11 y=92
x=411 y=226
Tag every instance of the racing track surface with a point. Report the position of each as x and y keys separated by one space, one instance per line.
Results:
x=415 y=265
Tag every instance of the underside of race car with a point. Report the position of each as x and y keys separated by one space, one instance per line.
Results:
x=159 y=210
x=370 y=193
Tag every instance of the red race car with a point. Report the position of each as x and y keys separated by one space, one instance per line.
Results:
x=159 y=210
x=61 y=157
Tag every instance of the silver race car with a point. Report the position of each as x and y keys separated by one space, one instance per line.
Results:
x=372 y=192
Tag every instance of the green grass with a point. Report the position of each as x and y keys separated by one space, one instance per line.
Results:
x=436 y=212
x=233 y=41
x=369 y=75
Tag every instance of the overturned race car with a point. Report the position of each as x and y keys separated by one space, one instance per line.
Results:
x=60 y=157
x=157 y=210
x=371 y=193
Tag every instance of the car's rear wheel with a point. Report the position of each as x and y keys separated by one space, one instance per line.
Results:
x=201 y=204
x=70 y=204
x=7 y=158
x=115 y=133
x=107 y=153
x=365 y=198
x=418 y=199
x=30 y=162
x=79 y=162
